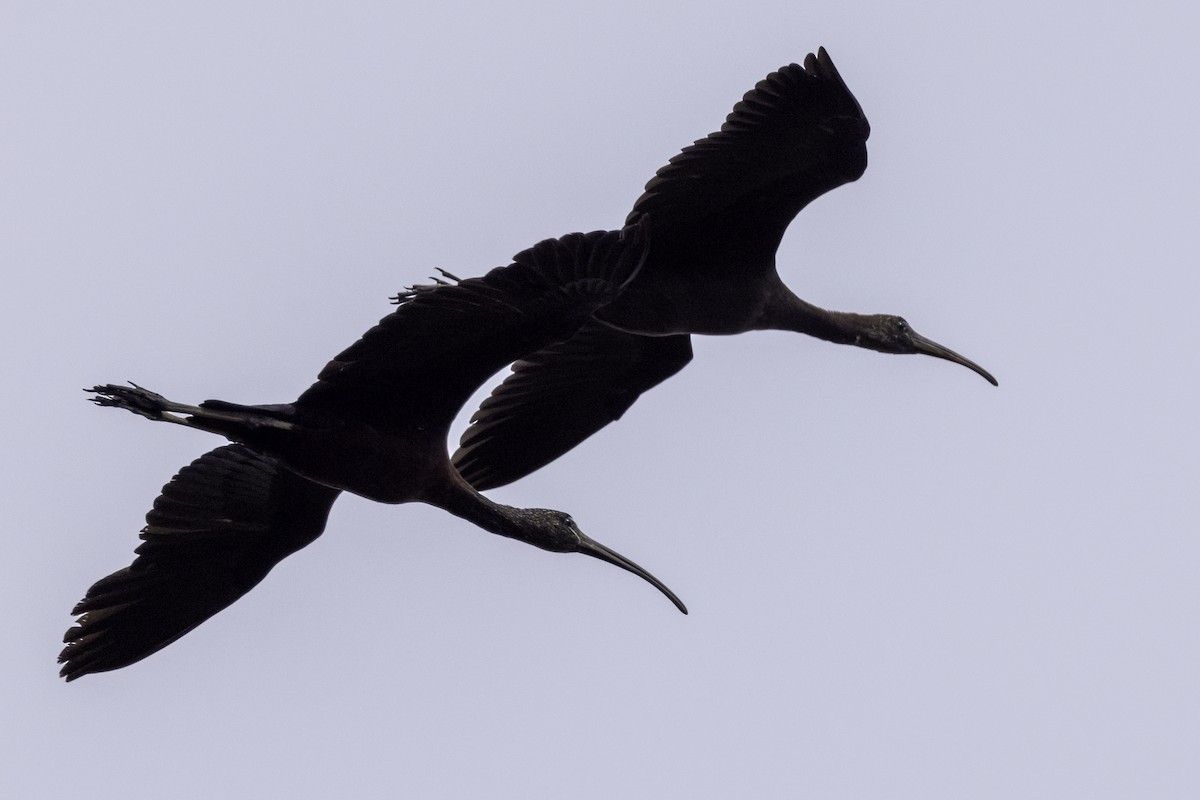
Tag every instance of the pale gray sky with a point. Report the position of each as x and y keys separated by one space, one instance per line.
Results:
x=903 y=582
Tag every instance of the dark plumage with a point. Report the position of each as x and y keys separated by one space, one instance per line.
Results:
x=375 y=424
x=717 y=213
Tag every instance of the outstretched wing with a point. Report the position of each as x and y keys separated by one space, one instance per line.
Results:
x=420 y=364
x=793 y=137
x=559 y=396
x=216 y=530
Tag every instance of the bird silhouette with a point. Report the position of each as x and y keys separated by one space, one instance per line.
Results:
x=375 y=424
x=717 y=213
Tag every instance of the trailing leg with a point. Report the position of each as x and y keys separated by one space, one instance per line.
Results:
x=231 y=420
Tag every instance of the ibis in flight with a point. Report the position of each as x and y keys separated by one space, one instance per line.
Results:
x=375 y=424
x=716 y=213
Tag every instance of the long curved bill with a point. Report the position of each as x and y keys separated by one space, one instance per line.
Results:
x=931 y=348
x=591 y=547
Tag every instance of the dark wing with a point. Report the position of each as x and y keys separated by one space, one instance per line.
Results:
x=420 y=364
x=559 y=396
x=793 y=137
x=216 y=530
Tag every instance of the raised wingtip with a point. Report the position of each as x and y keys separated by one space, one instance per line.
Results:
x=824 y=64
x=820 y=64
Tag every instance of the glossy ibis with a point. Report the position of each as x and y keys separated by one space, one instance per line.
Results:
x=375 y=424
x=717 y=213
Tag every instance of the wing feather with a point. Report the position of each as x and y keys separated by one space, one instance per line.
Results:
x=559 y=396
x=213 y=534
x=793 y=137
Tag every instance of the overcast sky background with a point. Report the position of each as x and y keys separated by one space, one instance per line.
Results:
x=903 y=582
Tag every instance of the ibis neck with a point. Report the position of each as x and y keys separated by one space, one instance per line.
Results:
x=460 y=499
x=789 y=313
